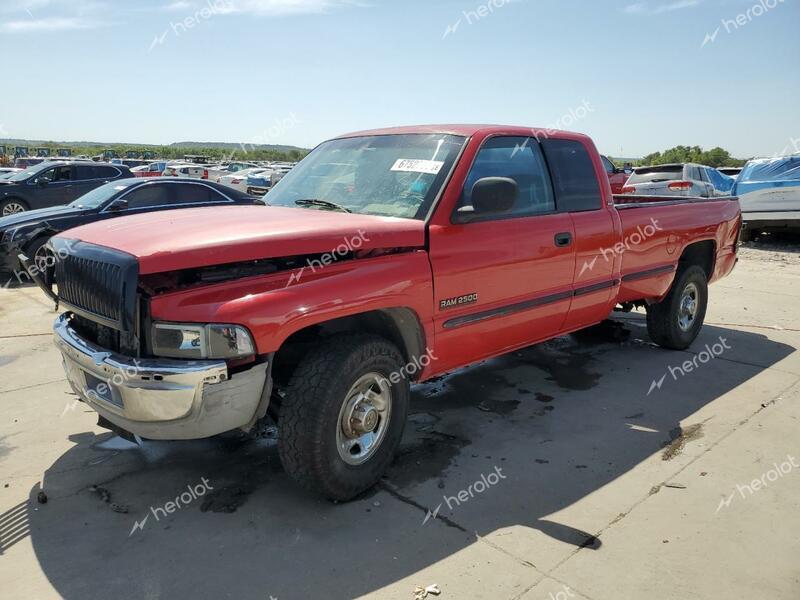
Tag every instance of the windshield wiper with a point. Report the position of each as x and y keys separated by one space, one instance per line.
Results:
x=322 y=203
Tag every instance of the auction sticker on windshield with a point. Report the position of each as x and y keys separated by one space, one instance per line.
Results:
x=418 y=165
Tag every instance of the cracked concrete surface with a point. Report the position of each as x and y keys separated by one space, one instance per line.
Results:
x=589 y=505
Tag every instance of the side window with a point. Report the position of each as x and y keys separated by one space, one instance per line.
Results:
x=574 y=177
x=607 y=165
x=47 y=175
x=63 y=174
x=148 y=196
x=106 y=172
x=83 y=172
x=520 y=159
x=192 y=193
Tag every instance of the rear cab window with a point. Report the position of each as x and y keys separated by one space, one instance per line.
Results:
x=574 y=178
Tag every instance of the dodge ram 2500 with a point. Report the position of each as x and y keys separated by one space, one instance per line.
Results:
x=385 y=257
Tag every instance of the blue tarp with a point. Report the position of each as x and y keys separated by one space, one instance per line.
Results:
x=764 y=173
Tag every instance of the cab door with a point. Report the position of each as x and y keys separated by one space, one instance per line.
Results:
x=576 y=179
x=52 y=187
x=504 y=281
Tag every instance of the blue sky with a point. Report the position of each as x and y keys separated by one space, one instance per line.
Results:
x=633 y=74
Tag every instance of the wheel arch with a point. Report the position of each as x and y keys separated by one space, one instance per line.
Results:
x=399 y=325
x=702 y=253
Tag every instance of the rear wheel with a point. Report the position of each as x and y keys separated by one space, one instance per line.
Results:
x=342 y=417
x=675 y=322
x=12 y=206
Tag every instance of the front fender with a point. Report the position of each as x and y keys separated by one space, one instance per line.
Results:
x=274 y=307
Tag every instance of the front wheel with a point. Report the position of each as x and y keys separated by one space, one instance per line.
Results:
x=675 y=322
x=41 y=255
x=343 y=414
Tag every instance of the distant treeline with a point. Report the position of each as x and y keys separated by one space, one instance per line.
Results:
x=244 y=152
x=716 y=157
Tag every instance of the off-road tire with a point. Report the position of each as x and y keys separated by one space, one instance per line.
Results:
x=309 y=414
x=662 y=318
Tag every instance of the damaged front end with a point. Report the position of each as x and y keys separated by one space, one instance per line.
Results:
x=153 y=380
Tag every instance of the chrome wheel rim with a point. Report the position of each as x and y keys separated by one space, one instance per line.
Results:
x=687 y=309
x=13 y=208
x=364 y=418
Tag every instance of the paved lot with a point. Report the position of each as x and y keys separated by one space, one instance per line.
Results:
x=566 y=477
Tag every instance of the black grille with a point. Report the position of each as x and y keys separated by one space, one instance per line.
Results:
x=97 y=282
x=93 y=286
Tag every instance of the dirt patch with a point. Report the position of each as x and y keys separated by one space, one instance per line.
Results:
x=678 y=439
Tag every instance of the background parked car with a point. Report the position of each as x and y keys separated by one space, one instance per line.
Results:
x=616 y=176
x=769 y=194
x=27 y=232
x=230 y=168
x=258 y=184
x=154 y=169
x=185 y=170
x=678 y=180
x=54 y=183
x=239 y=179
x=24 y=162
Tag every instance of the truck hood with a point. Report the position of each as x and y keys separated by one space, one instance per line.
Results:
x=198 y=237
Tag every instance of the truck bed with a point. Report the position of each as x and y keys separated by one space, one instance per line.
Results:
x=647 y=263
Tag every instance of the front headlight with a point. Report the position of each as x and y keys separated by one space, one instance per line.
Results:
x=176 y=340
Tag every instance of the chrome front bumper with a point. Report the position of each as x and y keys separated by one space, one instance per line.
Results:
x=162 y=399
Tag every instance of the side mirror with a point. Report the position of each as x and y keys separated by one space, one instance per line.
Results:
x=41 y=182
x=117 y=205
x=490 y=196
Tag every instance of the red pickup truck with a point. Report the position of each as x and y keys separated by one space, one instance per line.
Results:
x=385 y=257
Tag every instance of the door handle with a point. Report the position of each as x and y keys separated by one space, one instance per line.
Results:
x=563 y=239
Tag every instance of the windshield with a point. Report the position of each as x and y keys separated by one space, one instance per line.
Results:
x=387 y=175
x=98 y=196
x=29 y=172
